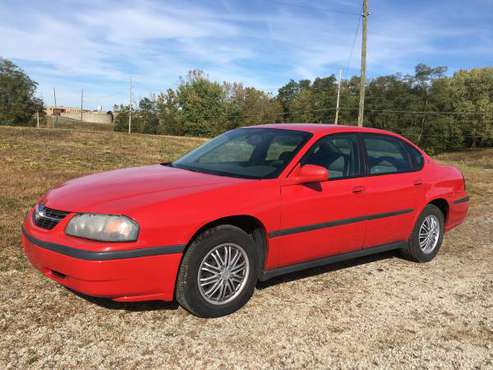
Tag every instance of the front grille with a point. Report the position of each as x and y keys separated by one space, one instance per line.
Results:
x=47 y=218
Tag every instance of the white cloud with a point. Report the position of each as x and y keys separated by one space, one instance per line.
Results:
x=146 y=21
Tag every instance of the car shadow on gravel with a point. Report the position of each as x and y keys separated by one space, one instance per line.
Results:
x=325 y=269
x=161 y=305
x=127 y=306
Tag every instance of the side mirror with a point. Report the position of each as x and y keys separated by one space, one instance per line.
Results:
x=307 y=174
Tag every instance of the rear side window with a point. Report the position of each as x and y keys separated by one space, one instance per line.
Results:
x=386 y=155
x=416 y=157
x=338 y=153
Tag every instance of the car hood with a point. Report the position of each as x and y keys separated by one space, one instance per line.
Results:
x=120 y=190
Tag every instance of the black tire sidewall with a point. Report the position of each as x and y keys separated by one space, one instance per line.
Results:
x=191 y=263
x=414 y=249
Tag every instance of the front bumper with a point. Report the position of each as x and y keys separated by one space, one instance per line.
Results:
x=131 y=275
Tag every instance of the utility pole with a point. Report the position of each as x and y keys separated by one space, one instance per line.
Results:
x=363 y=65
x=81 y=104
x=130 y=108
x=37 y=119
x=336 y=120
x=54 y=110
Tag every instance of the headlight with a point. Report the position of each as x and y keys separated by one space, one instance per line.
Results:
x=103 y=227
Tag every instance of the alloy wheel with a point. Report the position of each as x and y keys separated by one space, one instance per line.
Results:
x=223 y=273
x=429 y=234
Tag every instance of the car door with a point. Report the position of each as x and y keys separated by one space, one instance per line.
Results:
x=322 y=219
x=392 y=189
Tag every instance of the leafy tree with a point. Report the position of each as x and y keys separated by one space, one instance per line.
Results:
x=17 y=101
x=472 y=92
x=169 y=116
x=302 y=105
x=324 y=91
x=120 y=122
x=148 y=116
x=387 y=93
x=349 y=100
x=286 y=96
x=235 y=110
x=202 y=104
x=304 y=101
x=422 y=82
x=248 y=106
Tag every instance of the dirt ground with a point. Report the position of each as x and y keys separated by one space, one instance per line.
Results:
x=377 y=312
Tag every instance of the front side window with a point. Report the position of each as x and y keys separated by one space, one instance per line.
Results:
x=258 y=153
x=338 y=153
x=386 y=155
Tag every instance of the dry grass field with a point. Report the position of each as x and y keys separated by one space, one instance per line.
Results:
x=64 y=123
x=380 y=312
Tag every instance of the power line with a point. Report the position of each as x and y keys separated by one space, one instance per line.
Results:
x=333 y=109
x=430 y=112
x=239 y=115
x=356 y=33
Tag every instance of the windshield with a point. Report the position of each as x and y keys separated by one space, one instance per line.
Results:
x=257 y=153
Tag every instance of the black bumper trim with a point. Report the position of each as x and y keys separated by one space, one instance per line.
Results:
x=103 y=256
x=345 y=221
x=462 y=200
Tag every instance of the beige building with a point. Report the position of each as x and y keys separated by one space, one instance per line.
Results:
x=75 y=113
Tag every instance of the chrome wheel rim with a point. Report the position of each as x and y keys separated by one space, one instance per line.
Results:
x=223 y=273
x=429 y=233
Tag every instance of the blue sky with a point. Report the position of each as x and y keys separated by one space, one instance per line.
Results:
x=99 y=45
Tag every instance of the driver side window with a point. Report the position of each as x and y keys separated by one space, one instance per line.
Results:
x=386 y=155
x=338 y=153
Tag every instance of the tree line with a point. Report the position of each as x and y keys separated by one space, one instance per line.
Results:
x=437 y=111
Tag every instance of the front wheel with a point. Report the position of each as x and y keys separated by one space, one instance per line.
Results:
x=217 y=274
x=427 y=235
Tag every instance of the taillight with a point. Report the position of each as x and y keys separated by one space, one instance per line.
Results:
x=463 y=181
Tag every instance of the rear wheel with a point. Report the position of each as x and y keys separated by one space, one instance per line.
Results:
x=217 y=274
x=427 y=235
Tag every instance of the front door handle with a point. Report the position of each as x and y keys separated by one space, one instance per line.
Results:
x=358 y=189
x=418 y=182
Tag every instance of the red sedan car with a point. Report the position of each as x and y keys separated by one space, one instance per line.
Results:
x=249 y=205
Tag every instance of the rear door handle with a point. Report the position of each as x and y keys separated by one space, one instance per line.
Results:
x=358 y=189
x=418 y=182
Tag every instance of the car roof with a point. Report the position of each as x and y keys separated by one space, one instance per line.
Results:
x=322 y=128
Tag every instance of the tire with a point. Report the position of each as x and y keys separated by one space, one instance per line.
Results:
x=429 y=247
x=203 y=260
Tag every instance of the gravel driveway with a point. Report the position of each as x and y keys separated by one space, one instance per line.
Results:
x=380 y=311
